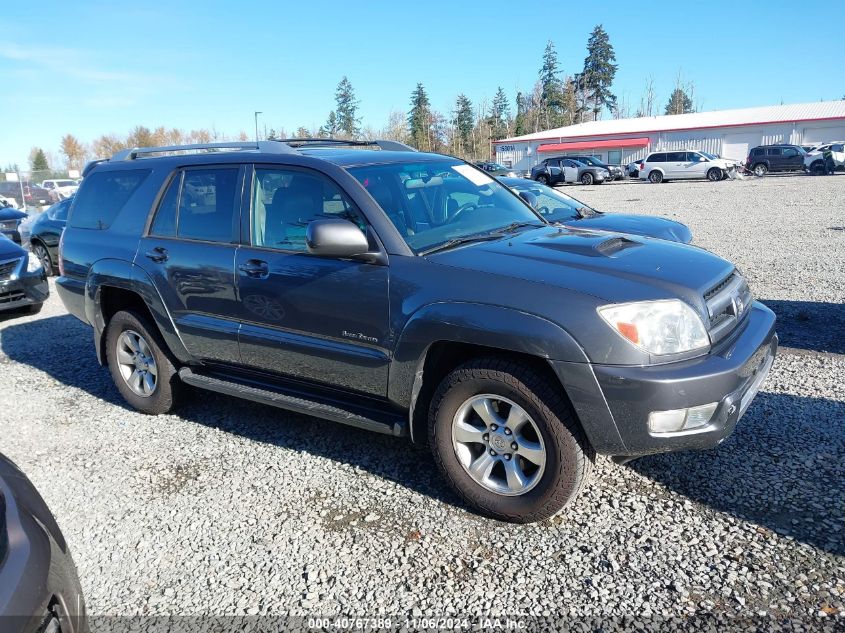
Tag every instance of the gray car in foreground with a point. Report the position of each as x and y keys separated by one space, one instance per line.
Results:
x=410 y=294
x=39 y=588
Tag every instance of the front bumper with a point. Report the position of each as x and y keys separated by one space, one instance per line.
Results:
x=614 y=403
x=26 y=290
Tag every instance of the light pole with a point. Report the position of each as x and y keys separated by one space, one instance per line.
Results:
x=256 y=125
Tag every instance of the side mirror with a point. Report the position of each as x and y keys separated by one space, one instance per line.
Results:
x=529 y=198
x=335 y=238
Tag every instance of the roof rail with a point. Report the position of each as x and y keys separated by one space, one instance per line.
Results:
x=273 y=147
x=395 y=146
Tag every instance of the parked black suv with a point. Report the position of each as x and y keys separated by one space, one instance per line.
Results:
x=775 y=158
x=410 y=294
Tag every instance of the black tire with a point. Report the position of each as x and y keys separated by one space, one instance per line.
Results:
x=587 y=178
x=43 y=255
x=714 y=174
x=543 y=179
x=569 y=456
x=760 y=169
x=165 y=395
x=817 y=168
x=35 y=308
x=655 y=176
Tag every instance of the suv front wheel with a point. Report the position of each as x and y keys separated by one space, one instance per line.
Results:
x=141 y=370
x=507 y=440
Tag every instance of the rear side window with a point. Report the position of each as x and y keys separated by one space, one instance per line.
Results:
x=199 y=204
x=758 y=152
x=836 y=148
x=656 y=158
x=102 y=197
x=774 y=151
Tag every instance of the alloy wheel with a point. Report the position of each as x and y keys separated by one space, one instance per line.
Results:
x=498 y=444
x=136 y=363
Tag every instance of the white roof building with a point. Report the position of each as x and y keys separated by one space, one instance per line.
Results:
x=729 y=133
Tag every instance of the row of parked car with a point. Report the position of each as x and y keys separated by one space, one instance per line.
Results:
x=48 y=192
x=761 y=160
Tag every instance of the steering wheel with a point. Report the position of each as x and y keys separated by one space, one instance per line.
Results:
x=469 y=206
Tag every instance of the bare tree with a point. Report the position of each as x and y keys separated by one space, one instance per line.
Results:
x=648 y=100
x=73 y=151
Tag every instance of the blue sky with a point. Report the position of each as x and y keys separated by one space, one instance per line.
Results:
x=92 y=67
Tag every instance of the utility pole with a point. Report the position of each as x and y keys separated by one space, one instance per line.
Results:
x=256 y=125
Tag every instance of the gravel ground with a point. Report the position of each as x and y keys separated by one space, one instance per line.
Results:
x=234 y=508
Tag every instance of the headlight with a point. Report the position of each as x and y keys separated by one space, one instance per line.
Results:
x=658 y=327
x=33 y=264
x=9 y=225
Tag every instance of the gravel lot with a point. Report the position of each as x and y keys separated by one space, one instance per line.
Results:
x=235 y=508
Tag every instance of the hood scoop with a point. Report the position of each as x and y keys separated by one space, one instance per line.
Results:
x=589 y=244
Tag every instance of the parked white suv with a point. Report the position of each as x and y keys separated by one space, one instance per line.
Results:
x=660 y=166
x=60 y=189
x=814 y=160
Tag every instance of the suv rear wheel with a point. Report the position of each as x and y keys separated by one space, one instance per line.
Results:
x=655 y=176
x=760 y=169
x=507 y=440
x=141 y=370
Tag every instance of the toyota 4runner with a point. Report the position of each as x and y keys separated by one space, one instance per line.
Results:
x=410 y=294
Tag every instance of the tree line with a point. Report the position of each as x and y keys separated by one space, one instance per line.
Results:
x=466 y=130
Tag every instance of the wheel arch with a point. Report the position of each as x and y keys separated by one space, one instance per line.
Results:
x=442 y=336
x=113 y=285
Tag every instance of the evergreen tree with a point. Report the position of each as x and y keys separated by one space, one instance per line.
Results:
x=420 y=120
x=519 y=122
x=551 y=102
x=38 y=161
x=463 y=122
x=599 y=71
x=348 y=121
x=272 y=136
x=679 y=102
x=331 y=127
x=500 y=115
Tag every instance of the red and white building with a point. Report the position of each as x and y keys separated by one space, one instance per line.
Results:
x=729 y=133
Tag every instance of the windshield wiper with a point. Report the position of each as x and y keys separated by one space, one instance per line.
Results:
x=510 y=228
x=481 y=237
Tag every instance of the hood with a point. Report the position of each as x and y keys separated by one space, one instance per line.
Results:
x=660 y=228
x=9 y=213
x=9 y=250
x=613 y=267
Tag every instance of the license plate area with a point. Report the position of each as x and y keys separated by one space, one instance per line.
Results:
x=757 y=382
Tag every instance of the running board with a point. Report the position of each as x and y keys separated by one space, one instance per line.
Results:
x=299 y=402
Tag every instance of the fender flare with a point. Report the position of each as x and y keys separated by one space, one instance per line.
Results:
x=125 y=275
x=473 y=323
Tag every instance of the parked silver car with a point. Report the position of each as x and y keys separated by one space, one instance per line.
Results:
x=661 y=166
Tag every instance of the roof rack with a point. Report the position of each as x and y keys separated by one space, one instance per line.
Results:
x=284 y=146
x=273 y=147
x=395 y=146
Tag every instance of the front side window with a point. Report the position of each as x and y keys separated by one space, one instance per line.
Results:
x=553 y=205
x=790 y=152
x=285 y=201
x=693 y=157
x=59 y=211
x=432 y=203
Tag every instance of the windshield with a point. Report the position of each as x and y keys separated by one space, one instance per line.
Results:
x=495 y=166
x=432 y=203
x=710 y=156
x=592 y=160
x=553 y=205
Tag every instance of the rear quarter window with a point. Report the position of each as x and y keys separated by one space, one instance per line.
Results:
x=656 y=158
x=102 y=196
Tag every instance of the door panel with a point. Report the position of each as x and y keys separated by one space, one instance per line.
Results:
x=314 y=318
x=190 y=256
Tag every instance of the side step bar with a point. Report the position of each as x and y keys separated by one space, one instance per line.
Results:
x=361 y=417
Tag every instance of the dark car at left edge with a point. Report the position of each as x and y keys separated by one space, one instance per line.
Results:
x=10 y=220
x=23 y=282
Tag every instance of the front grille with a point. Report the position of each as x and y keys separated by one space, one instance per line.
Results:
x=11 y=297
x=727 y=304
x=7 y=267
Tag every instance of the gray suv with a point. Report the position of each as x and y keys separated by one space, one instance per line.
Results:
x=409 y=294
